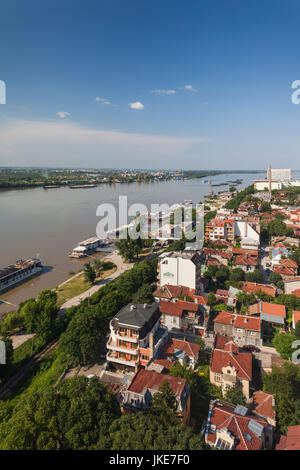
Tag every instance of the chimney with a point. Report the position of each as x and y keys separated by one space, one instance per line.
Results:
x=151 y=345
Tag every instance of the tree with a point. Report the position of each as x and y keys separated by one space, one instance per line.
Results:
x=129 y=248
x=164 y=405
x=211 y=299
x=89 y=273
x=235 y=396
x=143 y=295
x=98 y=267
x=255 y=276
x=237 y=275
x=297 y=330
x=39 y=315
x=283 y=344
x=82 y=340
x=275 y=278
x=140 y=431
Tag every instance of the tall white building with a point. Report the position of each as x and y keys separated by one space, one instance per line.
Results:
x=180 y=269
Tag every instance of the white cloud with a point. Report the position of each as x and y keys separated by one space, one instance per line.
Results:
x=66 y=143
x=164 y=92
x=63 y=114
x=189 y=88
x=136 y=105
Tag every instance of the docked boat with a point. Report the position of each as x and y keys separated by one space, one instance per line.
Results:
x=80 y=186
x=86 y=247
x=19 y=272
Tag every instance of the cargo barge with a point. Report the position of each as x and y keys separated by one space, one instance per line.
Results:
x=20 y=271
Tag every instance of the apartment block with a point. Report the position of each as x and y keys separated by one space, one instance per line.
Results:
x=135 y=336
x=180 y=269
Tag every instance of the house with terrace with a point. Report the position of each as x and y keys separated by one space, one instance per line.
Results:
x=175 y=350
x=146 y=383
x=135 y=336
x=184 y=316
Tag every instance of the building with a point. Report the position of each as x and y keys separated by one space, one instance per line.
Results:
x=244 y=330
x=230 y=368
x=180 y=269
x=234 y=428
x=295 y=317
x=135 y=336
x=220 y=228
x=264 y=406
x=173 y=350
x=146 y=383
x=291 y=441
x=270 y=313
x=227 y=229
x=246 y=262
x=254 y=288
x=183 y=315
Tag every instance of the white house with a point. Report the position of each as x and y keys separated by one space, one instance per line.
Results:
x=180 y=269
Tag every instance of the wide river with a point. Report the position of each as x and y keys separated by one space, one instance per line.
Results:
x=50 y=223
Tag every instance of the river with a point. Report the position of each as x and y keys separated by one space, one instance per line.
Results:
x=50 y=223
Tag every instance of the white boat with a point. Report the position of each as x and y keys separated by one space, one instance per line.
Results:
x=19 y=272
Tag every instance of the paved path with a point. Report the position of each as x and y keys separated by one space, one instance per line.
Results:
x=121 y=267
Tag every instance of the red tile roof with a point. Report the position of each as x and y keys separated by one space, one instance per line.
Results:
x=253 y=287
x=241 y=361
x=173 y=345
x=177 y=308
x=223 y=416
x=296 y=292
x=221 y=341
x=241 y=251
x=147 y=379
x=273 y=309
x=263 y=404
x=291 y=441
x=246 y=260
x=296 y=316
x=238 y=321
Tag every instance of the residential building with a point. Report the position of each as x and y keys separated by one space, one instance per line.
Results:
x=244 y=329
x=173 y=350
x=180 y=269
x=264 y=406
x=146 y=383
x=182 y=315
x=295 y=317
x=246 y=262
x=135 y=336
x=271 y=313
x=234 y=428
x=230 y=368
x=291 y=441
x=254 y=288
x=220 y=228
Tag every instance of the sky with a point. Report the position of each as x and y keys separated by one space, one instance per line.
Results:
x=191 y=84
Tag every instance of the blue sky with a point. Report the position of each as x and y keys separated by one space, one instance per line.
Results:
x=189 y=84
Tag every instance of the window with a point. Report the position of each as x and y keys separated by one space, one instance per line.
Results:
x=218 y=377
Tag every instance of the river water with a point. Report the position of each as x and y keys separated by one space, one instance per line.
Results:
x=50 y=223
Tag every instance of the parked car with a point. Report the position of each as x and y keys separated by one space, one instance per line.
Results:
x=251 y=348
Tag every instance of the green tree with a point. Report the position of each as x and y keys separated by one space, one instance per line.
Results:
x=237 y=275
x=283 y=344
x=235 y=396
x=143 y=295
x=98 y=267
x=164 y=405
x=89 y=273
x=255 y=276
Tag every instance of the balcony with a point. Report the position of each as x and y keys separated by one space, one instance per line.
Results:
x=112 y=346
x=111 y=357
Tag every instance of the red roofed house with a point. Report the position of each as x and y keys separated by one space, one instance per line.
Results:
x=246 y=262
x=291 y=441
x=230 y=368
x=253 y=287
x=182 y=315
x=296 y=318
x=177 y=350
x=263 y=406
x=243 y=328
x=271 y=313
x=233 y=428
x=146 y=383
x=287 y=268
